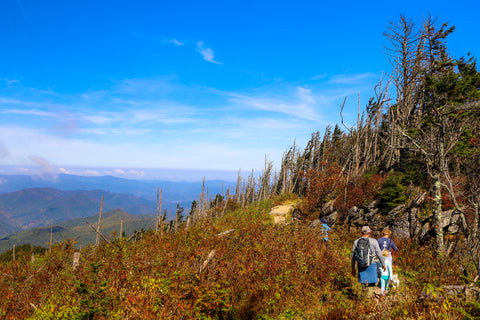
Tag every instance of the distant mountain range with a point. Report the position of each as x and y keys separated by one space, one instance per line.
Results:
x=36 y=207
x=172 y=192
x=29 y=201
x=79 y=230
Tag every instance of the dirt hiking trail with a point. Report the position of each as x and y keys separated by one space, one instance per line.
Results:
x=280 y=212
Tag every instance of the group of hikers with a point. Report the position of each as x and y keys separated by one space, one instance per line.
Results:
x=373 y=259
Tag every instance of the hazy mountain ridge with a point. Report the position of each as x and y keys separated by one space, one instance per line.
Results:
x=172 y=192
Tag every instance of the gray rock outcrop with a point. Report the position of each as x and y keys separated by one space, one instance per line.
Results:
x=406 y=221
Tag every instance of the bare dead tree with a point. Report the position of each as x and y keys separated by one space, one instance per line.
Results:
x=99 y=225
x=264 y=180
x=51 y=234
x=238 y=188
x=406 y=55
x=159 y=210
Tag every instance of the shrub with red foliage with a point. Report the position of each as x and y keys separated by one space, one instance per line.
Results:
x=359 y=193
x=327 y=184
x=321 y=186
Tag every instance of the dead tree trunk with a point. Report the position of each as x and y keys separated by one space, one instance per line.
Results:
x=99 y=226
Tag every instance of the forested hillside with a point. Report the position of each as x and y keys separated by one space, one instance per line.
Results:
x=411 y=163
x=39 y=207
x=113 y=222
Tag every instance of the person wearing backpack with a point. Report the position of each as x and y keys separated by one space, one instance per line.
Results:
x=366 y=254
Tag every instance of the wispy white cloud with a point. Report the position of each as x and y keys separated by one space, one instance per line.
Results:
x=122 y=112
x=11 y=101
x=11 y=82
x=206 y=53
x=303 y=107
x=119 y=132
x=81 y=172
x=155 y=114
x=154 y=38
x=100 y=119
x=33 y=112
x=166 y=114
x=261 y=131
x=176 y=42
x=354 y=78
x=137 y=173
x=15 y=84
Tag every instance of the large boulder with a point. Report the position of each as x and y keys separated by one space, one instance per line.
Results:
x=355 y=217
x=404 y=223
x=403 y=220
x=331 y=218
x=327 y=209
x=328 y=213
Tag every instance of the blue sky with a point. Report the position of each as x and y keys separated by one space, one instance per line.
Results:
x=127 y=86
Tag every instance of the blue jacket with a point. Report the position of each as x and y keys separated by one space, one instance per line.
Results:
x=326 y=229
x=387 y=243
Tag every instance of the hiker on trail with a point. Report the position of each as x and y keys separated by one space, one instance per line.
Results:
x=386 y=274
x=386 y=243
x=326 y=230
x=367 y=254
